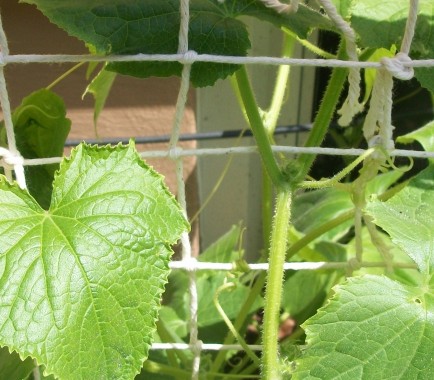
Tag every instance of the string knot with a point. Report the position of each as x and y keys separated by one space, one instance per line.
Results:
x=11 y=159
x=175 y=153
x=399 y=66
x=190 y=264
x=354 y=264
x=189 y=57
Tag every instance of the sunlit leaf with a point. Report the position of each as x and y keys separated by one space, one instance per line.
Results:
x=80 y=284
x=373 y=328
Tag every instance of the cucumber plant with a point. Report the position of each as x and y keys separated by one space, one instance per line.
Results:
x=84 y=264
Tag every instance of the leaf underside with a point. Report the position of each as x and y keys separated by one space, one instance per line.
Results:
x=80 y=284
x=153 y=26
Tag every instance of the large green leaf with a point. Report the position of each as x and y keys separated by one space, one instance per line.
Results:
x=380 y=24
x=152 y=27
x=373 y=328
x=408 y=217
x=41 y=128
x=80 y=284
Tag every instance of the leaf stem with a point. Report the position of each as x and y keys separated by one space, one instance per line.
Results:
x=233 y=330
x=320 y=230
x=258 y=129
x=239 y=321
x=273 y=292
x=280 y=87
x=64 y=75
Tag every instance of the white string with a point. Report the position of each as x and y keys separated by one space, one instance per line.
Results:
x=191 y=57
x=378 y=128
x=11 y=156
x=279 y=7
x=187 y=61
x=204 y=347
x=203 y=152
x=198 y=265
x=351 y=105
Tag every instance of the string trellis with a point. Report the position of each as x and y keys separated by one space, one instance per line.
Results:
x=379 y=114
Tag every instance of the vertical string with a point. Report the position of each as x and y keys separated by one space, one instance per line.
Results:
x=378 y=128
x=351 y=106
x=12 y=156
x=174 y=138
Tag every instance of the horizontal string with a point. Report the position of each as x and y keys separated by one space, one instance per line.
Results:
x=193 y=265
x=203 y=346
x=259 y=60
x=178 y=152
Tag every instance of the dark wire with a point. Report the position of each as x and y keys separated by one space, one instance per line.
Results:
x=215 y=135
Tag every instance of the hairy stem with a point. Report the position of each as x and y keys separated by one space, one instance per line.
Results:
x=273 y=292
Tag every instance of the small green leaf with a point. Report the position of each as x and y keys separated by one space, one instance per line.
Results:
x=315 y=208
x=304 y=289
x=100 y=89
x=152 y=27
x=408 y=217
x=12 y=367
x=80 y=284
x=41 y=128
x=373 y=328
x=424 y=135
x=343 y=7
x=230 y=301
x=224 y=249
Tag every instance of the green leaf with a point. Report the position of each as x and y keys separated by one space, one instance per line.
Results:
x=80 y=284
x=230 y=301
x=373 y=328
x=304 y=289
x=41 y=128
x=177 y=325
x=314 y=208
x=100 y=89
x=152 y=27
x=381 y=24
x=224 y=249
x=424 y=135
x=343 y=7
x=12 y=367
x=408 y=217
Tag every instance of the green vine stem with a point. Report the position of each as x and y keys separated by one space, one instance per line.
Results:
x=280 y=88
x=323 y=117
x=271 y=117
x=273 y=291
x=257 y=126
